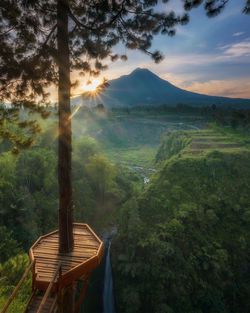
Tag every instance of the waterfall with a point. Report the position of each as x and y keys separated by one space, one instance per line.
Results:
x=108 y=296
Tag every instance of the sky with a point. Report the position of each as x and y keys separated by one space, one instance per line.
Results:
x=208 y=55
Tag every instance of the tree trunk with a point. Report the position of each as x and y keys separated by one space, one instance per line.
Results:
x=66 y=242
x=64 y=144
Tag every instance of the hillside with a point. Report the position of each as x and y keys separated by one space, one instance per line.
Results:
x=199 y=143
x=144 y=88
x=184 y=242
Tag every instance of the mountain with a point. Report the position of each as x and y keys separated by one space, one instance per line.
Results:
x=142 y=87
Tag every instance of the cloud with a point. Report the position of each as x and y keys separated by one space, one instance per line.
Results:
x=238 y=34
x=235 y=88
x=225 y=88
x=182 y=81
x=236 y=50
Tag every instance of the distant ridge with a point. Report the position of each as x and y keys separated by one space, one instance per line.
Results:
x=144 y=88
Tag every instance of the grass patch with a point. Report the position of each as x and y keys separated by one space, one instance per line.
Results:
x=139 y=156
x=239 y=133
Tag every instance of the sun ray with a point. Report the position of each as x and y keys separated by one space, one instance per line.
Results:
x=75 y=111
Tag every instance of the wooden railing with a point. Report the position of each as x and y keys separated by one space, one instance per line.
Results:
x=49 y=290
x=18 y=287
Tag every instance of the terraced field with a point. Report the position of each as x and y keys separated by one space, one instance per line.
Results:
x=205 y=141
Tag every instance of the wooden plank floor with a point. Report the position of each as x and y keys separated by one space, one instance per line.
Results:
x=47 y=256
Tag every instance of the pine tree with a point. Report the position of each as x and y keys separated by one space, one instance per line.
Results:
x=42 y=41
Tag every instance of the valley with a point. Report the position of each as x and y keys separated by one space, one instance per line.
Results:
x=132 y=140
x=175 y=174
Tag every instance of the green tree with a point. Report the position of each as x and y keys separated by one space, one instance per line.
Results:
x=84 y=148
x=84 y=196
x=101 y=174
x=11 y=272
x=8 y=191
x=8 y=245
x=36 y=176
x=171 y=145
x=28 y=193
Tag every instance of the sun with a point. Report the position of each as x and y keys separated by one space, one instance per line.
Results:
x=91 y=86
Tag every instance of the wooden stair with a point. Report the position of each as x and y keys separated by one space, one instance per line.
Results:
x=36 y=300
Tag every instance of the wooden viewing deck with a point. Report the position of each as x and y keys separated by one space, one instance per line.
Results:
x=52 y=271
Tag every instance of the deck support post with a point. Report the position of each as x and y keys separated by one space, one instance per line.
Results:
x=68 y=301
x=79 y=302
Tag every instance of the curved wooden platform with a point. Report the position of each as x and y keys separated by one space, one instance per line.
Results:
x=86 y=255
x=53 y=271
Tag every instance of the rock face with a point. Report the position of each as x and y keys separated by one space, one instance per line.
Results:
x=144 y=88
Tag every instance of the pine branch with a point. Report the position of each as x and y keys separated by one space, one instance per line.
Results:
x=113 y=19
x=118 y=14
x=49 y=35
x=7 y=31
x=246 y=9
x=79 y=24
